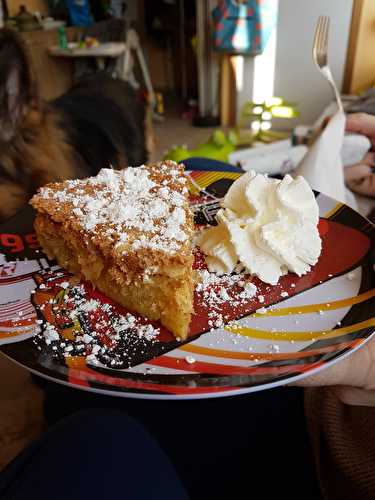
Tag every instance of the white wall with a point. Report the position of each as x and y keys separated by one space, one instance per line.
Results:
x=296 y=77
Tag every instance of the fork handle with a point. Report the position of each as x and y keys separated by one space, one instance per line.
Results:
x=330 y=79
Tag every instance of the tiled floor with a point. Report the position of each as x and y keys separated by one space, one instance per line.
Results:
x=21 y=417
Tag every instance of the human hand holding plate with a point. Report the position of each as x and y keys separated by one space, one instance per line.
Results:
x=360 y=177
x=352 y=380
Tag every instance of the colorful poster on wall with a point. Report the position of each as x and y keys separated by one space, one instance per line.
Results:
x=244 y=27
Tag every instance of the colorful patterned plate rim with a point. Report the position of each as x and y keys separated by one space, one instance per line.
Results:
x=326 y=316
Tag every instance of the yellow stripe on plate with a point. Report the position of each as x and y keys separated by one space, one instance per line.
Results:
x=205 y=179
x=311 y=308
x=280 y=335
x=333 y=211
x=251 y=356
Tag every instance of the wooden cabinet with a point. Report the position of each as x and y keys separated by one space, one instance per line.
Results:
x=360 y=62
x=54 y=75
x=31 y=5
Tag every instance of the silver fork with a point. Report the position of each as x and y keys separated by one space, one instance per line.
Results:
x=320 y=55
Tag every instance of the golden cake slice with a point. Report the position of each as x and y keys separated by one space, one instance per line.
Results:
x=129 y=233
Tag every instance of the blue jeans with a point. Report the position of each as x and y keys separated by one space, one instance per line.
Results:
x=220 y=447
x=96 y=455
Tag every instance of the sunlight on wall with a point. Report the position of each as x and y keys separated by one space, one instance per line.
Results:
x=264 y=70
x=239 y=62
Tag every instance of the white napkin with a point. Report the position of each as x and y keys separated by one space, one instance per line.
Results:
x=354 y=149
x=276 y=162
x=322 y=165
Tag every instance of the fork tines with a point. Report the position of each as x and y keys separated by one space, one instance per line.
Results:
x=320 y=47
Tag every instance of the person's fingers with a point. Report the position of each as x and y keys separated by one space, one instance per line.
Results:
x=338 y=374
x=361 y=123
x=369 y=159
x=364 y=186
x=352 y=371
x=356 y=172
x=355 y=397
x=329 y=377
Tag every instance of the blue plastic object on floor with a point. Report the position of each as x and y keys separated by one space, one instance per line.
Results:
x=208 y=165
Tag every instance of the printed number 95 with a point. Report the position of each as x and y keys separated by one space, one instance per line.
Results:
x=15 y=243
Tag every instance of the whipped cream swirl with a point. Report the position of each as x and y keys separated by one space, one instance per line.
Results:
x=265 y=226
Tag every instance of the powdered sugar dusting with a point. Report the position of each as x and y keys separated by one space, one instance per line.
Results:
x=226 y=290
x=101 y=334
x=215 y=288
x=148 y=201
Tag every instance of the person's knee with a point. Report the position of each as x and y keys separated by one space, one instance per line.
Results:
x=101 y=422
x=99 y=428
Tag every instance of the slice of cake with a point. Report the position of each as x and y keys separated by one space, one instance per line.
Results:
x=129 y=233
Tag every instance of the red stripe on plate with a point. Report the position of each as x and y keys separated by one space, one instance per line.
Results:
x=90 y=375
x=217 y=369
x=78 y=381
x=15 y=305
x=15 y=316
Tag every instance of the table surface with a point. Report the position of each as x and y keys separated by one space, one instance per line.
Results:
x=110 y=49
